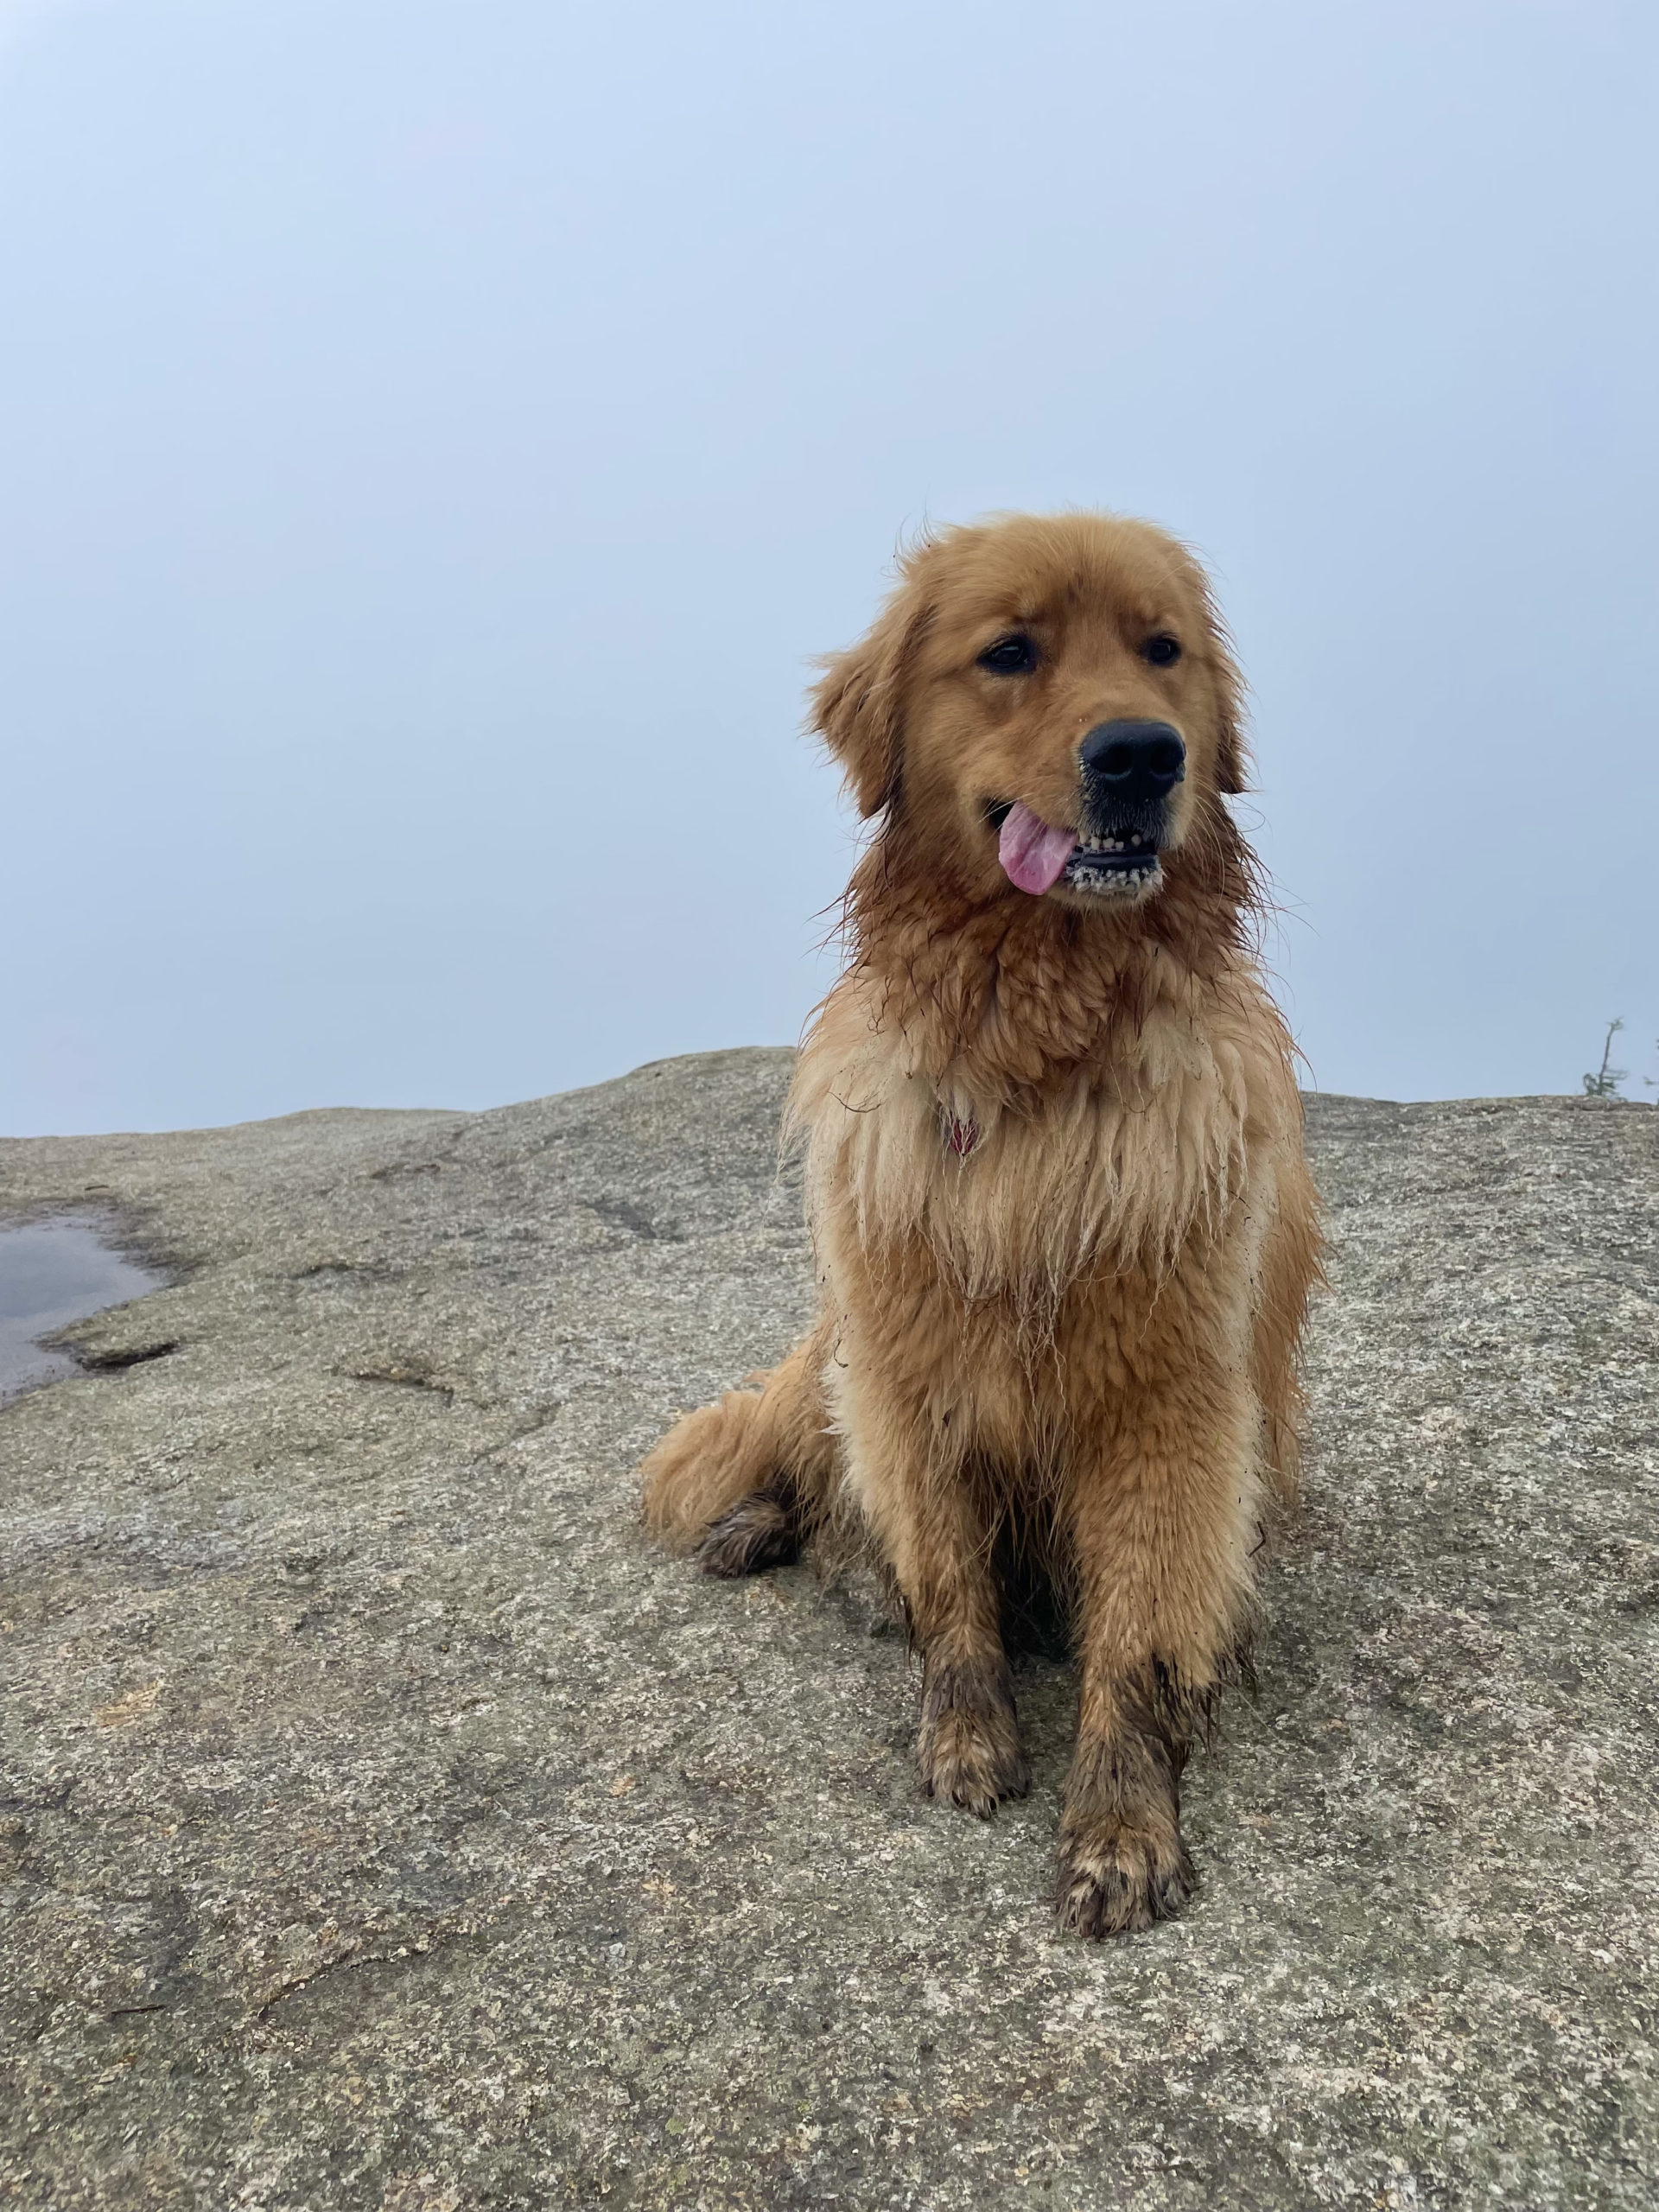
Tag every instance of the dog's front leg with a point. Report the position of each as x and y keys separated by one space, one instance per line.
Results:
x=1160 y=1519
x=967 y=1748
x=923 y=1511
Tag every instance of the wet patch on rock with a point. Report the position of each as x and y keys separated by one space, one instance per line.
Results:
x=54 y=1271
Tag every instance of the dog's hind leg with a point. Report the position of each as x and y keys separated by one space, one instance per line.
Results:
x=744 y=1482
x=1288 y=1267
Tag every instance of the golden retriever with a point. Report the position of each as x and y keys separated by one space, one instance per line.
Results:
x=1064 y=1228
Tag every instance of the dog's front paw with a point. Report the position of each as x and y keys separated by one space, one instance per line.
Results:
x=1114 y=1878
x=968 y=1752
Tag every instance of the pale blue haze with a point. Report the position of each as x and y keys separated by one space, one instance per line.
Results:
x=435 y=437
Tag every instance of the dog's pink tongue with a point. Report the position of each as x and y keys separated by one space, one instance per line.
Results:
x=1032 y=854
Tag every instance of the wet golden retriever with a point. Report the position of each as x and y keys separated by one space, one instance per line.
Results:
x=1064 y=1228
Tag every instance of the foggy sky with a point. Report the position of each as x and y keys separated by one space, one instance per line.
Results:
x=434 y=439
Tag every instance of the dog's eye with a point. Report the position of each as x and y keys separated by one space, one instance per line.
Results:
x=1011 y=656
x=1163 y=650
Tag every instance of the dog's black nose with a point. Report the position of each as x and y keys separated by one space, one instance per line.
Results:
x=1135 y=760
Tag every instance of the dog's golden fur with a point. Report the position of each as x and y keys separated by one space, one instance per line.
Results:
x=1064 y=1228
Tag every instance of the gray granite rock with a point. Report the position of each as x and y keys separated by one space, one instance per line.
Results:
x=382 y=1824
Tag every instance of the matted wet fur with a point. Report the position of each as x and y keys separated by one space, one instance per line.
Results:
x=1063 y=1227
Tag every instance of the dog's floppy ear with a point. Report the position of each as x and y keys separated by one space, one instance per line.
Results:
x=858 y=705
x=1232 y=759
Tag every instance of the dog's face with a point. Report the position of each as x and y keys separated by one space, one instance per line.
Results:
x=1049 y=702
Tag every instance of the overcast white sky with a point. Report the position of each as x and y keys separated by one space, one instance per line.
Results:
x=434 y=437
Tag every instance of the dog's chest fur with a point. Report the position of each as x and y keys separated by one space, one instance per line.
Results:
x=1120 y=1163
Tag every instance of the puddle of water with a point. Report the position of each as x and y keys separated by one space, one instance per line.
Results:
x=52 y=1273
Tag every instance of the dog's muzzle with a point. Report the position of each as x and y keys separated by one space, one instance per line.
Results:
x=1128 y=770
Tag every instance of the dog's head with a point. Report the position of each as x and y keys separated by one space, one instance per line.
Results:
x=1047 y=702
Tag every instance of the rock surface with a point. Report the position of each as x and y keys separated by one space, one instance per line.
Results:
x=382 y=1824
